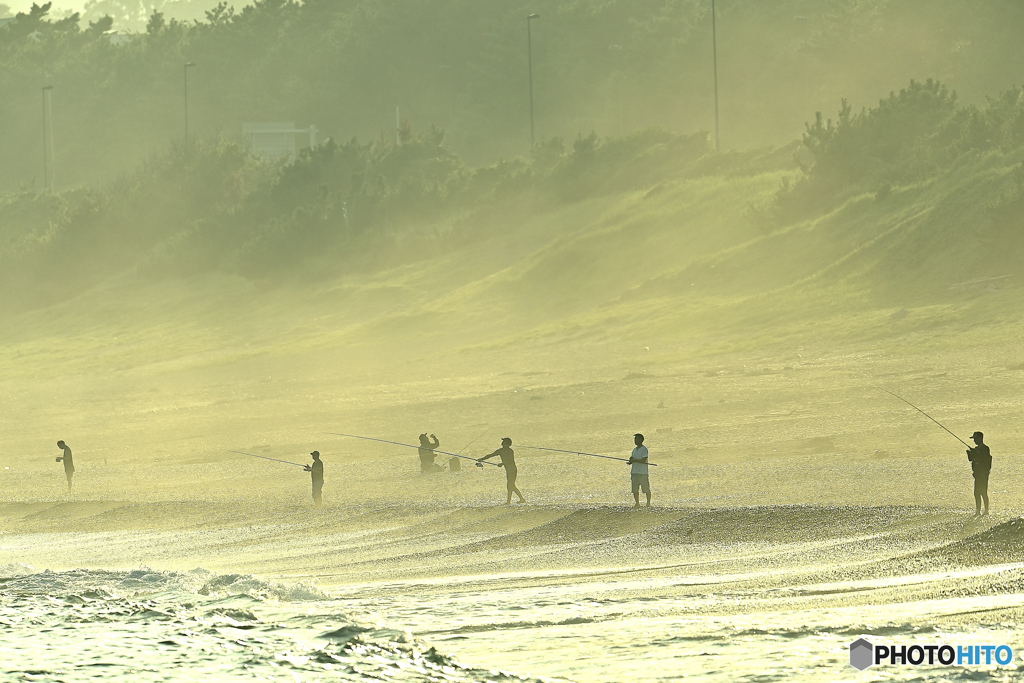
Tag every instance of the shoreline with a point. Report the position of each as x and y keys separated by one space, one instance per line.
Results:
x=350 y=544
x=495 y=586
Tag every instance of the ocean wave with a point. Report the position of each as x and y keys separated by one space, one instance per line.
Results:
x=15 y=569
x=150 y=625
x=528 y=624
x=246 y=584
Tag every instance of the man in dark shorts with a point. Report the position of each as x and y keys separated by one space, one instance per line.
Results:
x=981 y=465
x=69 y=463
x=317 y=470
x=508 y=461
x=426 y=451
x=638 y=471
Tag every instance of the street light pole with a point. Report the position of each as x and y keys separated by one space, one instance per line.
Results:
x=187 y=66
x=46 y=164
x=529 y=61
x=714 y=55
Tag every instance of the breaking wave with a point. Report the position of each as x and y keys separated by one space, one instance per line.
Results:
x=154 y=625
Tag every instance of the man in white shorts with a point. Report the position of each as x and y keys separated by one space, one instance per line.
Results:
x=638 y=471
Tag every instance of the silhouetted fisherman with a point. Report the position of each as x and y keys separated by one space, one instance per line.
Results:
x=981 y=465
x=69 y=463
x=638 y=471
x=427 y=465
x=508 y=461
x=317 y=469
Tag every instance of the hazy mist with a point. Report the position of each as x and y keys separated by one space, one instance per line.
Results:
x=610 y=68
x=195 y=314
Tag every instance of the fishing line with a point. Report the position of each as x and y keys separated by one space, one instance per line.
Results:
x=469 y=444
x=396 y=443
x=287 y=462
x=926 y=415
x=476 y=439
x=592 y=455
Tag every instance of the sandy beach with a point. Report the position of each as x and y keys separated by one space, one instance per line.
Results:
x=493 y=585
x=796 y=506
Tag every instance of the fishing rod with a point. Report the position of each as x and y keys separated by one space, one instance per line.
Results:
x=287 y=462
x=926 y=415
x=469 y=444
x=396 y=443
x=592 y=455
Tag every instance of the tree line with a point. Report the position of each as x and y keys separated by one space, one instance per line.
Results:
x=345 y=66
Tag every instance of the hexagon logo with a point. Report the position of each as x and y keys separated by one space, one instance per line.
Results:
x=862 y=654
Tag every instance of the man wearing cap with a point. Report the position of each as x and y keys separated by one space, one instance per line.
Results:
x=981 y=465
x=427 y=446
x=638 y=471
x=317 y=468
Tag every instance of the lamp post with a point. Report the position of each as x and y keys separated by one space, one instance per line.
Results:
x=46 y=153
x=187 y=67
x=714 y=57
x=529 y=61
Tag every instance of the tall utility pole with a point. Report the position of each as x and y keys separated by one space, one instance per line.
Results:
x=714 y=57
x=529 y=61
x=187 y=67
x=47 y=109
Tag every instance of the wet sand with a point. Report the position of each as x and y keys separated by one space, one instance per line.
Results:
x=767 y=548
x=743 y=570
x=497 y=585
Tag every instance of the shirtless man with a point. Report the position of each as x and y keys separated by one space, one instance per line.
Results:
x=508 y=461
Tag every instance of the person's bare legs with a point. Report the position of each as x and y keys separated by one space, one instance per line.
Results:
x=980 y=494
x=648 y=499
x=511 y=490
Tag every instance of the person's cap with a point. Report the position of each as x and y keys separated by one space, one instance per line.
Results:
x=506 y=439
x=640 y=435
x=316 y=453
x=977 y=435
